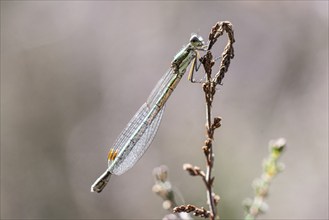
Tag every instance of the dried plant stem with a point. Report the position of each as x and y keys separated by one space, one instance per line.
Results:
x=209 y=88
x=208 y=150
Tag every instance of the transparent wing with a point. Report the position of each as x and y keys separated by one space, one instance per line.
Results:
x=141 y=129
x=152 y=130
x=161 y=86
x=136 y=147
x=131 y=127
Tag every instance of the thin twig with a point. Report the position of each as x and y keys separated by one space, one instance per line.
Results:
x=209 y=88
x=209 y=91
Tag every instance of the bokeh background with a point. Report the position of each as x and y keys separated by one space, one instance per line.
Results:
x=73 y=74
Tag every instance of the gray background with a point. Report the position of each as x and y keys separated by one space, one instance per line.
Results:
x=74 y=73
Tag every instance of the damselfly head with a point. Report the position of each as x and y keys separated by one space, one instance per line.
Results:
x=196 y=41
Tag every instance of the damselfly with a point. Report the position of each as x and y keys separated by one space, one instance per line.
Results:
x=140 y=131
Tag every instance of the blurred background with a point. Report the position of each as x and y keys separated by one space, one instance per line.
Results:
x=73 y=74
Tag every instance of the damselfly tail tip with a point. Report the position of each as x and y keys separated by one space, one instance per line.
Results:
x=101 y=182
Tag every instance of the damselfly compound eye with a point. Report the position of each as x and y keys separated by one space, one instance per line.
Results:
x=196 y=40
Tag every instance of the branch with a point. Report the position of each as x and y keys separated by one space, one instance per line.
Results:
x=209 y=88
